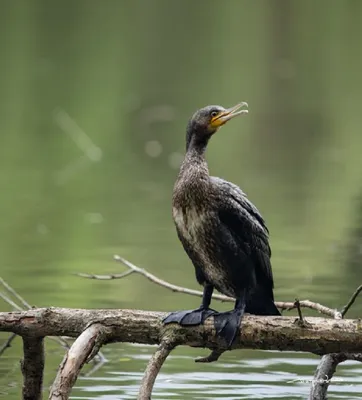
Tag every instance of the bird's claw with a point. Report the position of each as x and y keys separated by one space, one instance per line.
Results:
x=227 y=325
x=189 y=317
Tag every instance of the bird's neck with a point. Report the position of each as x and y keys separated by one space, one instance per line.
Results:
x=194 y=172
x=193 y=181
x=195 y=161
x=196 y=145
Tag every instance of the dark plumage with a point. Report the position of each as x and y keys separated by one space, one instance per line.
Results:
x=222 y=232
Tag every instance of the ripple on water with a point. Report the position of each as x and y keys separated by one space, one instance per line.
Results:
x=269 y=375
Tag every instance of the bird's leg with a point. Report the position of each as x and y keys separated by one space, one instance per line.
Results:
x=227 y=323
x=194 y=317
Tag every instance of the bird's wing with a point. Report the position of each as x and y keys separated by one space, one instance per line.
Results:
x=247 y=226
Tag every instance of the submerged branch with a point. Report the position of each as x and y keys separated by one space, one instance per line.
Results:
x=325 y=371
x=80 y=352
x=32 y=367
x=329 y=362
x=153 y=368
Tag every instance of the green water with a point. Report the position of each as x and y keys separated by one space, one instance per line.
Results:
x=94 y=99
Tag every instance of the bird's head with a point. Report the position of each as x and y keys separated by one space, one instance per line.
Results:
x=206 y=121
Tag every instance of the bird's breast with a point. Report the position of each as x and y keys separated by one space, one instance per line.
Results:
x=189 y=221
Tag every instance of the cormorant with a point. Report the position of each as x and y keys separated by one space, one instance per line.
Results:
x=222 y=232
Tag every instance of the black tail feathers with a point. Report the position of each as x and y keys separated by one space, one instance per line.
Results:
x=260 y=303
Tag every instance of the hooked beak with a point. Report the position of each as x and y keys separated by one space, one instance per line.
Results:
x=230 y=113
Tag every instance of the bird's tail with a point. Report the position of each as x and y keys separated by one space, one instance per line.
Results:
x=268 y=308
x=261 y=303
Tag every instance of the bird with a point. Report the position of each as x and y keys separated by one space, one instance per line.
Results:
x=222 y=232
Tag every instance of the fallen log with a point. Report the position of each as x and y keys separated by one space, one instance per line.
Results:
x=95 y=328
x=319 y=335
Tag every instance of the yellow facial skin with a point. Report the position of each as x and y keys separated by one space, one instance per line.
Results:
x=227 y=115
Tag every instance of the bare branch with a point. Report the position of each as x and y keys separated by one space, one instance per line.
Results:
x=325 y=371
x=153 y=368
x=98 y=363
x=351 y=301
x=15 y=294
x=74 y=360
x=297 y=304
x=165 y=284
x=60 y=340
x=7 y=343
x=328 y=364
x=322 y=335
x=300 y=321
x=32 y=367
x=106 y=277
x=287 y=306
x=175 y=288
x=9 y=301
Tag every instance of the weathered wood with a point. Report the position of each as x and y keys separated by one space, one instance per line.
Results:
x=325 y=371
x=320 y=336
x=73 y=362
x=32 y=367
x=152 y=370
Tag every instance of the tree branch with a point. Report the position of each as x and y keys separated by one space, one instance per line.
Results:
x=100 y=360
x=325 y=371
x=32 y=367
x=15 y=294
x=153 y=368
x=80 y=352
x=258 y=332
x=175 y=288
x=337 y=339
x=329 y=362
x=351 y=301
x=7 y=343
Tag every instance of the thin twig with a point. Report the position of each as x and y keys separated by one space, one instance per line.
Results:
x=168 y=285
x=351 y=301
x=106 y=277
x=14 y=293
x=98 y=363
x=7 y=343
x=301 y=321
x=287 y=306
x=175 y=288
x=152 y=370
x=10 y=302
x=297 y=304
x=60 y=340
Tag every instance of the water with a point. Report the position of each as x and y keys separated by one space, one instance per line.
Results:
x=238 y=375
x=93 y=105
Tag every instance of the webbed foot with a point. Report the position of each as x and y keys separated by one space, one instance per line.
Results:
x=189 y=317
x=227 y=325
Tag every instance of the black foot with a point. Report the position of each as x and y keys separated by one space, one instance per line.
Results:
x=227 y=325
x=189 y=317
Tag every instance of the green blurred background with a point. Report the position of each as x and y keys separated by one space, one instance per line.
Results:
x=94 y=99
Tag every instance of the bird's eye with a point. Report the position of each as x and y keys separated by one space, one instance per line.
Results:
x=214 y=114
